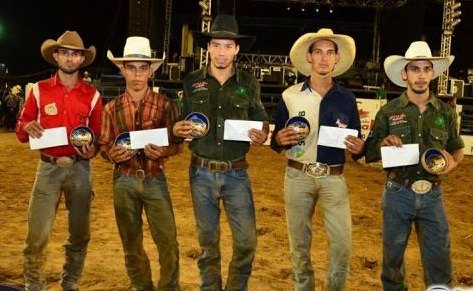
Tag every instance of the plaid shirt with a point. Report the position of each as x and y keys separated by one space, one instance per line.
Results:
x=124 y=115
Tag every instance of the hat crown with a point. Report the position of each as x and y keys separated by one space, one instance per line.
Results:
x=224 y=23
x=418 y=49
x=70 y=39
x=137 y=46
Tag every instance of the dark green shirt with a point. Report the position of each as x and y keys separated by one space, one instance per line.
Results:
x=238 y=98
x=436 y=127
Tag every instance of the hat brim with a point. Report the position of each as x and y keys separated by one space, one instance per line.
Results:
x=393 y=65
x=154 y=62
x=300 y=49
x=203 y=38
x=49 y=46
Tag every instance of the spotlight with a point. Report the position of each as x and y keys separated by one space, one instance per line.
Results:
x=203 y=5
x=330 y=10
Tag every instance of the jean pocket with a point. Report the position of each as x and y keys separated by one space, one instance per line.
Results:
x=393 y=187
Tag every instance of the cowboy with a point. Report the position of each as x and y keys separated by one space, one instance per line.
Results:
x=139 y=181
x=412 y=195
x=314 y=173
x=218 y=167
x=64 y=100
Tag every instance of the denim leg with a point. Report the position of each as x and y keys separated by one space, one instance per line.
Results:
x=300 y=200
x=205 y=201
x=398 y=214
x=78 y=199
x=335 y=207
x=433 y=237
x=128 y=206
x=239 y=206
x=160 y=216
x=41 y=214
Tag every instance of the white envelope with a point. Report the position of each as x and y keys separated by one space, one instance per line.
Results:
x=140 y=138
x=52 y=137
x=407 y=154
x=238 y=129
x=332 y=136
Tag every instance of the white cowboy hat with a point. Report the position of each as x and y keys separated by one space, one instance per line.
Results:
x=417 y=51
x=69 y=40
x=137 y=49
x=345 y=44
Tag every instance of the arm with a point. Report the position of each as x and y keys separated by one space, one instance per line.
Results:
x=28 y=116
x=283 y=138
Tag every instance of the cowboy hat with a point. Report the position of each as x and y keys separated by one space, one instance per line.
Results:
x=69 y=40
x=417 y=51
x=137 y=49
x=223 y=27
x=300 y=49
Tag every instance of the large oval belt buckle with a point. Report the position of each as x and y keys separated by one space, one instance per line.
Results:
x=64 y=162
x=317 y=170
x=421 y=186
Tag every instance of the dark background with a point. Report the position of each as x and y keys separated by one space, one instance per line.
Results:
x=24 y=25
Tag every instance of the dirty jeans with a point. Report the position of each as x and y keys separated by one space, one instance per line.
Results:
x=233 y=188
x=51 y=181
x=402 y=208
x=301 y=194
x=130 y=196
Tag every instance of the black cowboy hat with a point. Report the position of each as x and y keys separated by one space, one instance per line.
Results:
x=223 y=27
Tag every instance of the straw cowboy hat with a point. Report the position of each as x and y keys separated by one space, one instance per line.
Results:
x=69 y=40
x=137 y=49
x=300 y=49
x=417 y=51
x=223 y=27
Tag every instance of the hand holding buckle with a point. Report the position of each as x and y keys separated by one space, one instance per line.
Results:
x=317 y=170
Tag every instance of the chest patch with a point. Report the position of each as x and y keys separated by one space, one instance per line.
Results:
x=50 y=109
x=200 y=86
x=396 y=119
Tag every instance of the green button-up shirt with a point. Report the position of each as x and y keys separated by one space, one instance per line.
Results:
x=436 y=127
x=238 y=98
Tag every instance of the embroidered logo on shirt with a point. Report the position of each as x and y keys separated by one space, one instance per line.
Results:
x=240 y=90
x=50 y=109
x=200 y=86
x=397 y=119
x=339 y=123
x=440 y=121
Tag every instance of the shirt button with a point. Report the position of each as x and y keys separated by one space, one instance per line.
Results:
x=219 y=125
x=418 y=172
x=219 y=143
x=420 y=134
x=221 y=89
x=219 y=107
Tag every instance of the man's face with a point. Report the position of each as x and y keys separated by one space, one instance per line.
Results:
x=68 y=60
x=418 y=75
x=136 y=75
x=222 y=52
x=323 y=57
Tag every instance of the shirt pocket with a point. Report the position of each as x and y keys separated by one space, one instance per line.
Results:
x=403 y=132
x=240 y=107
x=438 y=137
x=200 y=103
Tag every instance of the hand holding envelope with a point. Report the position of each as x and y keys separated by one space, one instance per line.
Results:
x=238 y=129
x=405 y=155
x=332 y=136
x=140 y=138
x=51 y=137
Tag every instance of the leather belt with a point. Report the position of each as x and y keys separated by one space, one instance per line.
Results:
x=419 y=186
x=125 y=170
x=219 y=166
x=64 y=161
x=316 y=170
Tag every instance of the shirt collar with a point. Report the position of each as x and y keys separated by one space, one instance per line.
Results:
x=306 y=86
x=432 y=100
x=205 y=73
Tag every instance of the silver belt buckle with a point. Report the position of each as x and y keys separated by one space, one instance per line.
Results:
x=421 y=186
x=317 y=170
x=64 y=162
x=219 y=166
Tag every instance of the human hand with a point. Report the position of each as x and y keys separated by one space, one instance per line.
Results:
x=118 y=154
x=34 y=129
x=182 y=129
x=355 y=145
x=287 y=136
x=391 y=140
x=86 y=152
x=154 y=152
x=451 y=163
x=257 y=136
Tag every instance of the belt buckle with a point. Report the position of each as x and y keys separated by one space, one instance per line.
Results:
x=140 y=174
x=421 y=186
x=218 y=166
x=64 y=162
x=317 y=170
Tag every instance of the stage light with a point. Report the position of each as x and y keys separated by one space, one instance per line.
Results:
x=455 y=13
x=203 y=5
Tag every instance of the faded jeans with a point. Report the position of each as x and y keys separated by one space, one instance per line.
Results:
x=233 y=188
x=301 y=194
x=130 y=196
x=402 y=208
x=51 y=181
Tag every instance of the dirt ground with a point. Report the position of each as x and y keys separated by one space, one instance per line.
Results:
x=105 y=270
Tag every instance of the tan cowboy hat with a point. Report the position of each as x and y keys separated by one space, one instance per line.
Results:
x=345 y=44
x=69 y=40
x=223 y=27
x=417 y=51
x=137 y=49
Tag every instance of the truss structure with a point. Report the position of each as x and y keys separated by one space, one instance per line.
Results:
x=167 y=30
x=206 y=6
x=353 y=3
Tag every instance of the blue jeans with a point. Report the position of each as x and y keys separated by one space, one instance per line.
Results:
x=402 y=208
x=234 y=189
x=51 y=181
x=130 y=196
x=301 y=194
